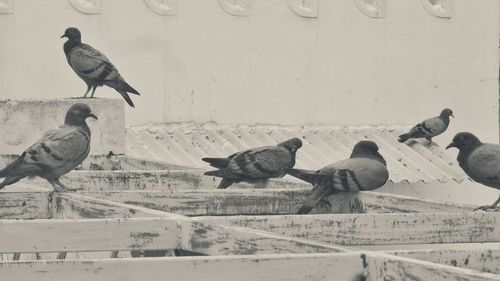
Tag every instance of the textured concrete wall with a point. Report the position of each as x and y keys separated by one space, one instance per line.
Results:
x=23 y=122
x=273 y=66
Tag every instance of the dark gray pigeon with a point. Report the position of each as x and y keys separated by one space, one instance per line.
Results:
x=429 y=128
x=365 y=170
x=56 y=153
x=256 y=163
x=480 y=161
x=93 y=67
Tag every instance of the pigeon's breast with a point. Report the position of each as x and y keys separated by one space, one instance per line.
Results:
x=483 y=165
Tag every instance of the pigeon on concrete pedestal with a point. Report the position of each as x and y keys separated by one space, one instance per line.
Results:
x=93 y=67
x=364 y=170
x=56 y=153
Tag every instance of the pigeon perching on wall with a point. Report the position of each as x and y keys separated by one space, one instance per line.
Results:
x=366 y=169
x=480 y=161
x=255 y=164
x=56 y=153
x=429 y=128
x=93 y=67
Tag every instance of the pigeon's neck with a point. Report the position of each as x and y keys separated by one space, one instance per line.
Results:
x=445 y=119
x=293 y=158
x=77 y=123
x=70 y=44
x=464 y=154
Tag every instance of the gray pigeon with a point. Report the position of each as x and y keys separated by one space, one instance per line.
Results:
x=93 y=67
x=429 y=128
x=480 y=161
x=255 y=164
x=365 y=170
x=56 y=153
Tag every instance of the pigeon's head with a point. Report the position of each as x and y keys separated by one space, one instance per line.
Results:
x=77 y=114
x=447 y=113
x=292 y=144
x=366 y=145
x=72 y=33
x=367 y=149
x=464 y=141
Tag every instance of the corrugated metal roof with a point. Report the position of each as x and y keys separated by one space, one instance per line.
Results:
x=185 y=144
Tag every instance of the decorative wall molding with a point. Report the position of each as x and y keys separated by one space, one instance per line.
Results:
x=90 y=7
x=240 y=8
x=6 y=6
x=438 y=8
x=162 y=7
x=372 y=8
x=304 y=8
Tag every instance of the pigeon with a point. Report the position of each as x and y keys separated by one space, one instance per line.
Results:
x=366 y=169
x=93 y=67
x=480 y=161
x=430 y=127
x=56 y=153
x=256 y=163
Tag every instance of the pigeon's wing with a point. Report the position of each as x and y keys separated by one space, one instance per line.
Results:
x=360 y=174
x=91 y=64
x=433 y=126
x=64 y=149
x=261 y=163
x=483 y=165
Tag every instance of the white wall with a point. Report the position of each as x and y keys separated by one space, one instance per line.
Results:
x=273 y=66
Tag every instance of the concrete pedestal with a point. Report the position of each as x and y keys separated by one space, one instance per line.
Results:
x=23 y=122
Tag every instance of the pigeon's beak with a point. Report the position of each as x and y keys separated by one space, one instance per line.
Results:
x=64 y=35
x=451 y=145
x=93 y=116
x=452 y=115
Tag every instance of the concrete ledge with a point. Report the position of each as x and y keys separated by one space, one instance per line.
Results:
x=24 y=121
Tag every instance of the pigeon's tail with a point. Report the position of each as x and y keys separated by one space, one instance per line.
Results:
x=404 y=137
x=129 y=89
x=305 y=175
x=224 y=173
x=10 y=180
x=318 y=193
x=227 y=177
x=121 y=86
x=12 y=166
x=217 y=162
x=215 y=173
x=225 y=183
x=126 y=98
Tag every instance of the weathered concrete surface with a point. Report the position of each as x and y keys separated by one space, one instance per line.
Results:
x=291 y=267
x=27 y=120
x=21 y=201
x=376 y=229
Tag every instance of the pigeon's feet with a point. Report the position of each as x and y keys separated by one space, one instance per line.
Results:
x=488 y=207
